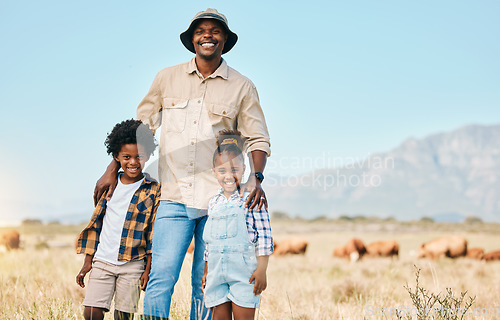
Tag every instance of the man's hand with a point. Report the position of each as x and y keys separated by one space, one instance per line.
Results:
x=260 y=278
x=257 y=196
x=107 y=182
x=81 y=275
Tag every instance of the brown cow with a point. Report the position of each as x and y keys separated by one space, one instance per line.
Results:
x=493 y=255
x=452 y=247
x=474 y=253
x=383 y=249
x=10 y=239
x=290 y=246
x=353 y=250
x=339 y=252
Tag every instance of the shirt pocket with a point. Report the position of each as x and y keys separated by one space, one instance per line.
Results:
x=145 y=205
x=174 y=114
x=221 y=116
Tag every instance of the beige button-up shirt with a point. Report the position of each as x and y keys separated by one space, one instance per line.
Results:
x=192 y=110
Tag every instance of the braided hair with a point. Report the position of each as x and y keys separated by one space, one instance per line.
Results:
x=229 y=141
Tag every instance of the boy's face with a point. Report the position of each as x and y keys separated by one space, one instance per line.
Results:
x=229 y=171
x=132 y=158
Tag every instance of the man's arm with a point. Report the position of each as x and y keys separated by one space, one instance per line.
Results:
x=149 y=109
x=149 y=113
x=257 y=161
x=107 y=182
x=252 y=125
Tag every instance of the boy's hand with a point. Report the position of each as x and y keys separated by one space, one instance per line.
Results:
x=144 y=280
x=260 y=278
x=81 y=275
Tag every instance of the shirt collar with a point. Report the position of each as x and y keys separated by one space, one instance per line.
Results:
x=235 y=195
x=147 y=178
x=222 y=70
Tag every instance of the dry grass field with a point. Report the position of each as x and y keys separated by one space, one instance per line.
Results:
x=37 y=281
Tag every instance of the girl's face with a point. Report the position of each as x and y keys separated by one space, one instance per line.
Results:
x=229 y=171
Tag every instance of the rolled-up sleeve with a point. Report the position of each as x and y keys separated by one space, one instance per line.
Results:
x=205 y=253
x=252 y=124
x=149 y=110
x=262 y=225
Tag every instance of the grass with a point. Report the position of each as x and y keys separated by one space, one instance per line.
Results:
x=40 y=283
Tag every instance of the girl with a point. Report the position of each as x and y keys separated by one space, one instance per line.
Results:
x=238 y=241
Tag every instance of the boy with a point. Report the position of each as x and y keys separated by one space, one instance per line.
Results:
x=118 y=239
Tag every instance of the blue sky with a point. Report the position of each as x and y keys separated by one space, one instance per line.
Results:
x=346 y=78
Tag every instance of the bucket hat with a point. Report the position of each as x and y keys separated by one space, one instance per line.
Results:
x=187 y=36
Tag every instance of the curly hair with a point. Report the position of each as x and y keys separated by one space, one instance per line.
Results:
x=130 y=132
x=229 y=141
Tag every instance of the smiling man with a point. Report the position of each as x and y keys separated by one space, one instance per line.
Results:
x=192 y=102
x=209 y=48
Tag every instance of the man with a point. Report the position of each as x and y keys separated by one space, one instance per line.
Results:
x=192 y=102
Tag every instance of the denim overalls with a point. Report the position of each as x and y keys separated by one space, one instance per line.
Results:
x=231 y=257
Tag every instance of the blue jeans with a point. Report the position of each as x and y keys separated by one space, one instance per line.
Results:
x=172 y=234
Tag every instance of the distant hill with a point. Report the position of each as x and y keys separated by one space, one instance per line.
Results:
x=447 y=176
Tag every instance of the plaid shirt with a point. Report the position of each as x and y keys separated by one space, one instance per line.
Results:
x=137 y=234
x=258 y=224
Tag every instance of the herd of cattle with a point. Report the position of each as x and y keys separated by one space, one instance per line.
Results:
x=353 y=250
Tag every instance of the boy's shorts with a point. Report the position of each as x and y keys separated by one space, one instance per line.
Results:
x=106 y=279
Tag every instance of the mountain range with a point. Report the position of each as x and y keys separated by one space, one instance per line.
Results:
x=446 y=176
